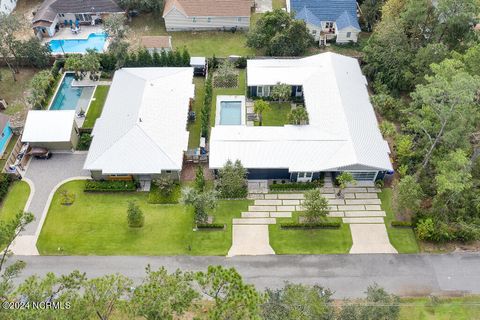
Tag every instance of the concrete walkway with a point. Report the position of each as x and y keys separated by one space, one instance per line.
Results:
x=46 y=176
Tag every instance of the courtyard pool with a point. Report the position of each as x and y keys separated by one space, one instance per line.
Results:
x=230 y=110
x=68 y=97
x=94 y=41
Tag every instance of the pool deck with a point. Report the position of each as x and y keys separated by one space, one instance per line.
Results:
x=230 y=98
x=67 y=34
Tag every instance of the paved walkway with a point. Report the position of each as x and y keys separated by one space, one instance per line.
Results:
x=347 y=276
x=45 y=176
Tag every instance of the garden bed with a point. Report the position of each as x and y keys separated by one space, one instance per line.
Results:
x=156 y=197
x=316 y=225
x=109 y=186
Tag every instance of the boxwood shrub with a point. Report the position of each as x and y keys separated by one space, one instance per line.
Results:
x=110 y=186
x=216 y=226
x=317 y=225
x=294 y=186
x=401 y=224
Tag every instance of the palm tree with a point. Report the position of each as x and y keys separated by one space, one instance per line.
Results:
x=298 y=116
x=259 y=107
x=281 y=91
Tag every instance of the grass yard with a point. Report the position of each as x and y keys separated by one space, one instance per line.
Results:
x=278 y=114
x=201 y=43
x=403 y=239
x=16 y=92
x=461 y=308
x=240 y=90
x=15 y=200
x=96 y=106
x=319 y=241
x=96 y=225
x=195 y=127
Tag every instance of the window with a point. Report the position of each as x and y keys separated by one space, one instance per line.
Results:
x=364 y=175
x=349 y=34
x=314 y=32
x=329 y=25
x=260 y=91
x=194 y=19
x=168 y=171
x=209 y=19
x=239 y=19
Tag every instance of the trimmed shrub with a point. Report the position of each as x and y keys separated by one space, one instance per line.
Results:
x=109 y=186
x=294 y=186
x=135 y=216
x=206 y=226
x=401 y=224
x=317 y=225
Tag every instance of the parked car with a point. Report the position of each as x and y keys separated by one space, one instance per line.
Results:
x=40 y=153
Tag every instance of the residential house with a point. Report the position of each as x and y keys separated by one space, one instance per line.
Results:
x=156 y=43
x=53 y=14
x=7 y=6
x=51 y=129
x=342 y=133
x=6 y=132
x=189 y=15
x=328 y=19
x=142 y=131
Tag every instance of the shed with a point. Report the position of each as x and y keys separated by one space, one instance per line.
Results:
x=199 y=65
x=159 y=43
x=51 y=129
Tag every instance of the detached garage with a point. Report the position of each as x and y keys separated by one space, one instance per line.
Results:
x=54 y=130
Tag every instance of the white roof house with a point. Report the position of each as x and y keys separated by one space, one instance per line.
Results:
x=342 y=133
x=48 y=126
x=142 y=129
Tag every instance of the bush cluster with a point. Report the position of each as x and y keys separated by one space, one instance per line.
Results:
x=438 y=231
x=210 y=226
x=84 y=141
x=294 y=186
x=5 y=182
x=207 y=107
x=316 y=225
x=109 y=186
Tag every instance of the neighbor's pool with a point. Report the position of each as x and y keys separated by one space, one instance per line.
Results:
x=230 y=112
x=71 y=98
x=95 y=41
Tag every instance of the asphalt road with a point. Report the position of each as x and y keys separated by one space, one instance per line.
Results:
x=347 y=275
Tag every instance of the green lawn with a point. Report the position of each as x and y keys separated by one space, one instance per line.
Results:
x=96 y=106
x=403 y=239
x=240 y=90
x=195 y=127
x=319 y=241
x=15 y=92
x=201 y=43
x=462 y=308
x=15 y=200
x=278 y=114
x=96 y=225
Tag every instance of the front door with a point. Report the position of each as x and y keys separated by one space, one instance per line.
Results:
x=304 y=176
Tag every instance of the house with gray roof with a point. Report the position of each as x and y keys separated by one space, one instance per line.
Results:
x=52 y=14
x=328 y=19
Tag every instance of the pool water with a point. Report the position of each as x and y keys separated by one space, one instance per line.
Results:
x=71 y=98
x=95 y=41
x=231 y=113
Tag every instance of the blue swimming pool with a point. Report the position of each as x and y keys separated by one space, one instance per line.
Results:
x=94 y=41
x=71 y=98
x=231 y=113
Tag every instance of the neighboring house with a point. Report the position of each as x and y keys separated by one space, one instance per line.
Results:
x=342 y=134
x=52 y=14
x=6 y=132
x=328 y=19
x=186 y=15
x=158 y=43
x=7 y=6
x=142 y=131
x=51 y=129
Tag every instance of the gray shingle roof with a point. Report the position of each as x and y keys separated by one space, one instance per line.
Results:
x=50 y=8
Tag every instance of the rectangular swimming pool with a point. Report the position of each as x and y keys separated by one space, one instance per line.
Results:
x=230 y=113
x=230 y=110
x=71 y=98
x=94 y=41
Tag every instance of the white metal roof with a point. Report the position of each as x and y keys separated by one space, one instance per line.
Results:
x=342 y=130
x=142 y=129
x=48 y=126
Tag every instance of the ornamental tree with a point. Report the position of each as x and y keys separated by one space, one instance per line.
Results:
x=259 y=107
x=316 y=206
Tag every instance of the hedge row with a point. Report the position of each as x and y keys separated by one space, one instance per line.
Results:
x=109 y=186
x=294 y=186
x=207 y=106
x=210 y=226
x=317 y=225
x=401 y=224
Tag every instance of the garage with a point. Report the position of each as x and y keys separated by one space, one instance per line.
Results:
x=55 y=130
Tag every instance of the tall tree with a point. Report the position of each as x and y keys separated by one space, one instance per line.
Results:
x=202 y=202
x=9 y=44
x=232 y=180
x=259 y=107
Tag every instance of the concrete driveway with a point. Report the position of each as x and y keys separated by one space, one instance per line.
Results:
x=44 y=177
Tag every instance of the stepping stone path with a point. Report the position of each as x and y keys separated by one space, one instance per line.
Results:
x=360 y=207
